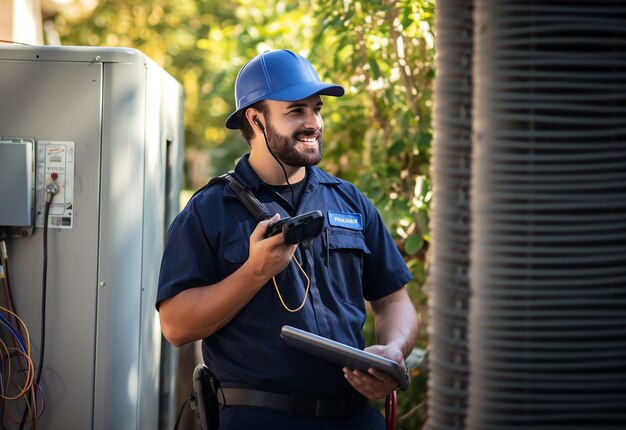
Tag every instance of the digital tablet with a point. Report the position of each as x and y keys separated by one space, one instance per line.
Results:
x=340 y=353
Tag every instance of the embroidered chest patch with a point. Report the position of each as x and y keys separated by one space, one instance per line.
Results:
x=345 y=220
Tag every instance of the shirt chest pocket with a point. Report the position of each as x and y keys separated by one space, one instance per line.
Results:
x=235 y=254
x=265 y=302
x=345 y=252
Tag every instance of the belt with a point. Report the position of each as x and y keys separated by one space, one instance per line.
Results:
x=293 y=404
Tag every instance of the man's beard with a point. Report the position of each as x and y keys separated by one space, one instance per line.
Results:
x=286 y=150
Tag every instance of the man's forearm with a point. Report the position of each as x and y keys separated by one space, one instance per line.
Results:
x=198 y=312
x=396 y=321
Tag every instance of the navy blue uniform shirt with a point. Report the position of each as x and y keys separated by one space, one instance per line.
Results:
x=354 y=259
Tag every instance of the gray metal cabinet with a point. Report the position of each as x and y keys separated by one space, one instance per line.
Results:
x=120 y=115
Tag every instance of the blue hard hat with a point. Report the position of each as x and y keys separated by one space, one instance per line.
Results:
x=277 y=75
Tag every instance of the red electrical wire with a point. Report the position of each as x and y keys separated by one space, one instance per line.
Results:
x=390 y=411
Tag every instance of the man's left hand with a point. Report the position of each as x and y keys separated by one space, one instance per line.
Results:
x=375 y=384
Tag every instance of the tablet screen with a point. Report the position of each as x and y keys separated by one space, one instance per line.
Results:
x=340 y=353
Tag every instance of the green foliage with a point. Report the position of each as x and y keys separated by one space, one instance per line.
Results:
x=377 y=136
x=383 y=53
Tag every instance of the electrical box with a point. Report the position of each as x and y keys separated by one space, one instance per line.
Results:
x=105 y=126
x=17 y=164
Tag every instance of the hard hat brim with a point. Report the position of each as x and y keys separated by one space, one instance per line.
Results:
x=290 y=94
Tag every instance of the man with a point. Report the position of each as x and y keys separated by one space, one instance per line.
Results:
x=224 y=282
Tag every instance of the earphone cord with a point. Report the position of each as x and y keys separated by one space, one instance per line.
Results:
x=281 y=166
x=306 y=291
x=308 y=280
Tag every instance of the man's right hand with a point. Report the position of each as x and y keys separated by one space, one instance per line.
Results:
x=268 y=256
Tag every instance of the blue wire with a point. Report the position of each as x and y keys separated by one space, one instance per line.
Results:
x=13 y=331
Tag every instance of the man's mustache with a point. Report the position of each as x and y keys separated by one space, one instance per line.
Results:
x=307 y=133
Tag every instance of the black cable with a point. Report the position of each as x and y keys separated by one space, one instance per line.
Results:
x=44 y=288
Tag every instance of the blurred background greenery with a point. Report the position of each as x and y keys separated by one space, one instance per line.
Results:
x=378 y=135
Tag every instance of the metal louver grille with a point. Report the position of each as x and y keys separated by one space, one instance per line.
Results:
x=448 y=282
x=547 y=318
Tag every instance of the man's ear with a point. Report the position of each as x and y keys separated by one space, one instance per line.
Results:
x=253 y=117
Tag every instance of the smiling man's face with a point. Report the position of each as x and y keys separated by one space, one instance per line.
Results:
x=294 y=131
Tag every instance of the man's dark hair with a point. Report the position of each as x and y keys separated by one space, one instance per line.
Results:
x=245 y=126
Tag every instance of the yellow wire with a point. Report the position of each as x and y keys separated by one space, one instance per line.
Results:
x=7 y=381
x=29 y=383
x=306 y=292
x=29 y=378
x=23 y=325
